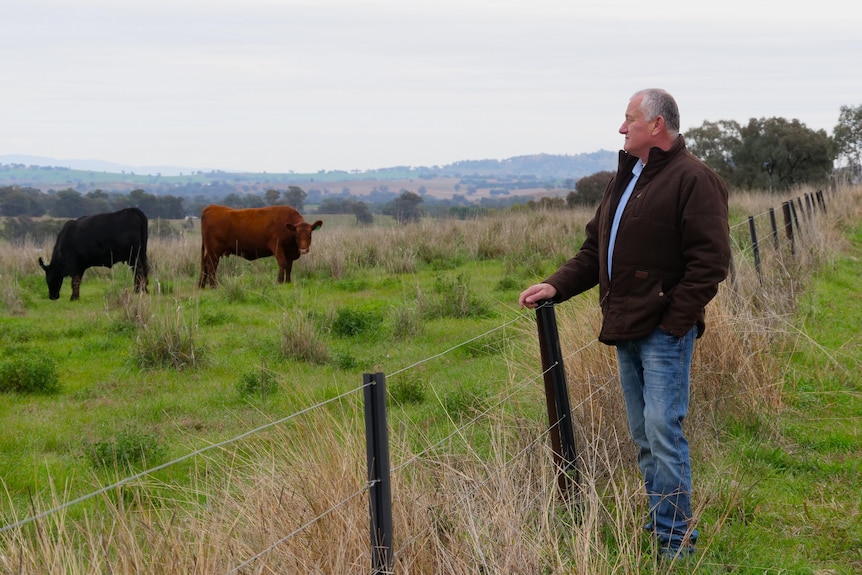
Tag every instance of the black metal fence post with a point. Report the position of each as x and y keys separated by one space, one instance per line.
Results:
x=557 y=398
x=774 y=228
x=788 y=225
x=380 y=491
x=755 y=247
x=796 y=218
x=820 y=201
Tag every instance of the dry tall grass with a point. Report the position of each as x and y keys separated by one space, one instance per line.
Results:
x=292 y=501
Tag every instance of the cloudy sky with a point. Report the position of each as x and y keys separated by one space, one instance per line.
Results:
x=308 y=85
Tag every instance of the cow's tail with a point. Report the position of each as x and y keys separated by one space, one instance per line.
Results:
x=143 y=262
x=202 y=280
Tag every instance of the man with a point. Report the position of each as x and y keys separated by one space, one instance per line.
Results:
x=657 y=247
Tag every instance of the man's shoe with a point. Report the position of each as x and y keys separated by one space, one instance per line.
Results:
x=678 y=554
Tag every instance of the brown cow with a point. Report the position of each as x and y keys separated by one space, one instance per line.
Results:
x=253 y=233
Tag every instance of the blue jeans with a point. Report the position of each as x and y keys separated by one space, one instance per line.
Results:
x=654 y=373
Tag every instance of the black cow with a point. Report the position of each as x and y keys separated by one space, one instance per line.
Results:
x=98 y=240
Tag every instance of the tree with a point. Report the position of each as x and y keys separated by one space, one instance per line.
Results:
x=405 y=208
x=294 y=196
x=362 y=213
x=15 y=201
x=847 y=137
x=233 y=201
x=768 y=153
x=589 y=189
x=715 y=144
x=272 y=196
x=69 y=204
x=335 y=205
x=775 y=154
x=99 y=201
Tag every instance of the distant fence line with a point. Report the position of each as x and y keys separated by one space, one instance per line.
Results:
x=799 y=216
x=561 y=424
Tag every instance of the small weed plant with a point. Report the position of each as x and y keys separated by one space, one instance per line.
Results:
x=261 y=383
x=127 y=449
x=28 y=372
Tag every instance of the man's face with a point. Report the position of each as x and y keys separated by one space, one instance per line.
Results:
x=638 y=132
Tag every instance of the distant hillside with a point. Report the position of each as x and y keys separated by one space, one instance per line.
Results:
x=534 y=175
x=542 y=166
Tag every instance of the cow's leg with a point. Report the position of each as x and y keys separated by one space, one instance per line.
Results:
x=141 y=279
x=202 y=280
x=211 y=271
x=209 y=267
x=76 y=288
x=284 y=269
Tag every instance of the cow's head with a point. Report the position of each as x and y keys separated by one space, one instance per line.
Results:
x=54 y=277
x=302 y=232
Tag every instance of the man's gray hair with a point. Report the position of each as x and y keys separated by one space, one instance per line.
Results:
x=657 y=102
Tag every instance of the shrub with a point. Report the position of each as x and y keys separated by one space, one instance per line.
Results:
x=466 y=398
x=451 y=297
x=261 y=382
x=345 y=360
x=496 y=343
x=407 y=389
x=128 y=448
x=27 y=372
x=350 y=322
x=508 y=283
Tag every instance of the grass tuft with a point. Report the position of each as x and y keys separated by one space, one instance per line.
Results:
x=300 y=340
x=168 y=340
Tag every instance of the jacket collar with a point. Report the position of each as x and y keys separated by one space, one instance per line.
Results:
x=656 y=160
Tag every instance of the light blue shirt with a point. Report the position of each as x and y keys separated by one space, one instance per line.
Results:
x=636 y=172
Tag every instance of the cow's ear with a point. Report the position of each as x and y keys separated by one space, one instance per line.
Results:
x=317 y=225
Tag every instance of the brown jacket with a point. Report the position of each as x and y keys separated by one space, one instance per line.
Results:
x=672 y=247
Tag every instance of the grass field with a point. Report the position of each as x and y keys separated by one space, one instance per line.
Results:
x=118 y=383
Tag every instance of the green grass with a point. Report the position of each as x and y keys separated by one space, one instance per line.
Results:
x=125 y=387
x=797 y=478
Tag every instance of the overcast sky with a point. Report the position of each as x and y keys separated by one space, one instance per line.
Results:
x=295 y=85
